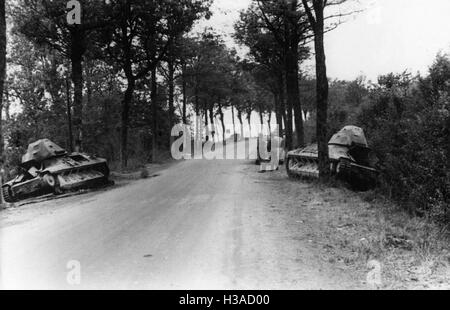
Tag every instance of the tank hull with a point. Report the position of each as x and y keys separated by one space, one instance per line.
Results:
x=348 y=160
x=305 y=164
x=56 y=174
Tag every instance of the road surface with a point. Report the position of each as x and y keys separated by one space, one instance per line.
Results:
x=198 y=225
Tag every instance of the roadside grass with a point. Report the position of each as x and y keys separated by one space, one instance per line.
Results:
x=134 y=164
x=414 y=252
x=139 y=168
x=138 y=163
x=353 y=230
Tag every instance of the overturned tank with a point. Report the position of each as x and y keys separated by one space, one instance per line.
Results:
x=47 y=168
x=351 y=159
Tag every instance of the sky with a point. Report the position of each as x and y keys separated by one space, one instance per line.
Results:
x=388 y=36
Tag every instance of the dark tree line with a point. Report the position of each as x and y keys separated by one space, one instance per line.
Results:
x=117 y=82
x=142 y=50
x=125 y=42
x=273 y=30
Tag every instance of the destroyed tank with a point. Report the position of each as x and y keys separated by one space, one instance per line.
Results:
x=351 y=159
x=47 y=168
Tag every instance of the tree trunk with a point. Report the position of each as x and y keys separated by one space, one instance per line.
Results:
x=239 y=115
x=184 y=86
x=222 y=121
x=171 y=92
x=261 y=121
x=288 y=118
x=282 y=99
x=234 y=123
x=292 y=69
x=76 y=57
x=249 y=121
x=269 y=120
x=295 y=97
x=283 y=114
x=69 y=115
x=198 y=133
x=2 y=71
x=322 y=95
x=286 y=83
x=278 y=112
x=89 y=91
x=249 y=117
x=205 y=114
x=6 y=103
x=125 y=121
x=108 y=128
x=154 y=110
x=211 y=119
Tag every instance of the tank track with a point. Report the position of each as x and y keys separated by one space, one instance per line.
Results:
x=299 y=166
x=6 y=195
x=359 y=177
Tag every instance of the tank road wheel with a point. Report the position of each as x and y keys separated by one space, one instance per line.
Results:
x=52 y=182
x=7 y=194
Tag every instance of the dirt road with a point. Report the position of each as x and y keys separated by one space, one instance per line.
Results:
x=198 y=225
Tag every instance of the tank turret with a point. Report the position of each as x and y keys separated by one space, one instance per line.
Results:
x=42 y=149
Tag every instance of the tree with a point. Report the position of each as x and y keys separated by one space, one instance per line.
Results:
x=188 y=47
x=210 y=77
x=315 y=10
x=407 y=119
x=138 y=40
x=44 y=23
x=244 y=94
x=37 y=83
x=126 y=42
x=295 y=30
x=275 y=32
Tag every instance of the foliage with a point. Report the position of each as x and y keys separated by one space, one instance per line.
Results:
x=275 y=33
x=408 y=122
x=45 y=93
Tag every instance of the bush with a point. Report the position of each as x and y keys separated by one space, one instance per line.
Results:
x=408 y=123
